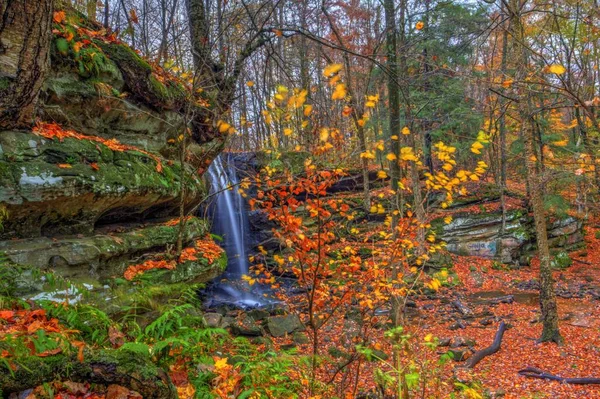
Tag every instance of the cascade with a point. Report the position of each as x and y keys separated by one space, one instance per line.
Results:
x=230 y=221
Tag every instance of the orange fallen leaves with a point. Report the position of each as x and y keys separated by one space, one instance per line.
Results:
x=133 y=271
x=175 y=221
x=54 y=131
x=59 y=17
x=25 y=324
x=188 y=254
x=205 y=248
x=209 y=249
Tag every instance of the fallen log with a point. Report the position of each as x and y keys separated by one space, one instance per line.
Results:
x=107 y=367
x=490 y=350
x=533 y=372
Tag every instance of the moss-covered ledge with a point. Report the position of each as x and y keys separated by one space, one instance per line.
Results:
x=103 y=366
x=57 y=187
x=102 y=255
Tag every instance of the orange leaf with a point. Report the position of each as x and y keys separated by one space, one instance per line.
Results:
x=6 y=314
x=81 y=346
x=94 y=166
x=64 y=166
x=59 y=17
x=49 y=352
x=133 y=16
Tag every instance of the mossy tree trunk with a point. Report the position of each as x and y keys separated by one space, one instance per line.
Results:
x=25 y=37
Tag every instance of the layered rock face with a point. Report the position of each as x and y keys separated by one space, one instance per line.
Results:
x=88 y=202
x=481 y=235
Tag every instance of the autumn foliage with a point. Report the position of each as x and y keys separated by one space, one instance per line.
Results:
x=54 y=131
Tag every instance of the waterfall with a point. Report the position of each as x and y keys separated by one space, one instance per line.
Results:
x=229 y=216
x=230 y=221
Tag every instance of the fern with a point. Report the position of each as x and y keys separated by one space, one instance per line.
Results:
x=139 y=348
x=167 y=323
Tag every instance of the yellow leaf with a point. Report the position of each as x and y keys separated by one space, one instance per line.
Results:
x=223 y=126
x=324 y=134
x=250 y=83
x=391 y=156
x=448 y=219
x=381 y=174
x=556 y=69
x=394 y=137
x=307 y=110
x=339 y=93
x=331 y=70
x=220 y=363
x=405 y=131
x=287 y=131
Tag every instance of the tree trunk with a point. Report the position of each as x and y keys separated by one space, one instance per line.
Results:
x=394 y=106
x=25 y=37
x=547 y=296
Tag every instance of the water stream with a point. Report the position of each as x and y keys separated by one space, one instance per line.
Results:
x=230 y=221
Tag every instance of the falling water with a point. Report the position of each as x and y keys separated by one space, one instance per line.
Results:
x=230 y=221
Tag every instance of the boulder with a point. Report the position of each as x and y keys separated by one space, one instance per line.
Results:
x=278 y=326
x=246 y=326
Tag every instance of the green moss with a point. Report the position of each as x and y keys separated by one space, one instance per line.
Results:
x=167 y=93
x=122 y=54
x=5 y=83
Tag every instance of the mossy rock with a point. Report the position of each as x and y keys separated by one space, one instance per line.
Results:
x=141 y=81
x=104 y=255
x=101 y=366
x=55 y=187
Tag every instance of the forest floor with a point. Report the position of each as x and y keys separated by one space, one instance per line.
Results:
x=578 y=296
x=480 y=283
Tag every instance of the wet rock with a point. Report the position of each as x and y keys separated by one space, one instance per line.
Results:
x=227 y=322
x=102 y=256
x=461 y=341
x=258 y=314
x=458 y=325
x=278 y=326
x=99 y=186
x=246 y=326
x=213 y=320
